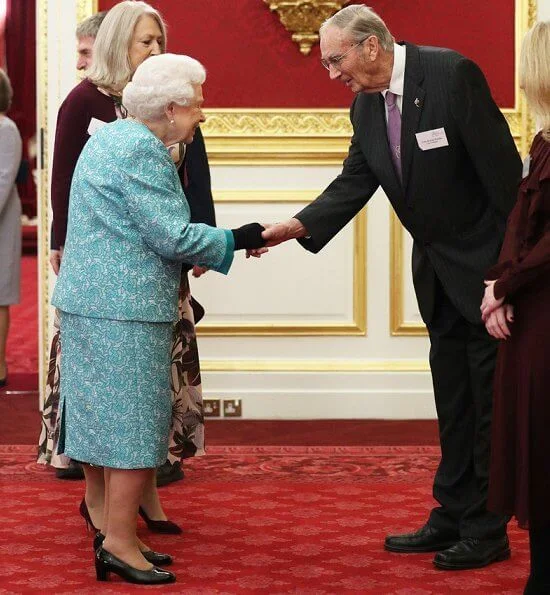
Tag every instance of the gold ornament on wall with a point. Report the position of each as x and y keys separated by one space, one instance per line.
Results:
x=302 y=18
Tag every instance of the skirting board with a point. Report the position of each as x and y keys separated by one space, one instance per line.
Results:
x=378 y=395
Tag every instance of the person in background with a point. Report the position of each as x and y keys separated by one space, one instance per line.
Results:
x=86 y=32
x=10 y=219
x=516 y=310
x=427 y=130
x=129 y=231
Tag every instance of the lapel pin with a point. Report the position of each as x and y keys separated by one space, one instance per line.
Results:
x=417 y=102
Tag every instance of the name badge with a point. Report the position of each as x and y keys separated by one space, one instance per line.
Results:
x=526 y=166
x=432 y=139
x=95 y=125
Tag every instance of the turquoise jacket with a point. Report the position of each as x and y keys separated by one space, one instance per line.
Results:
x=129 y=230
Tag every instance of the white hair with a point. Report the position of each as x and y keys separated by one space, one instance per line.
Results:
x=159 y=81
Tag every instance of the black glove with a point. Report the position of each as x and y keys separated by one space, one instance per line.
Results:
x=248 y=236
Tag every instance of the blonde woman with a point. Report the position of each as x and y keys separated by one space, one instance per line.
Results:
x=516 y=310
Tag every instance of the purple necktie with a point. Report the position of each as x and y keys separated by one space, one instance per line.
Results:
x=394 y=131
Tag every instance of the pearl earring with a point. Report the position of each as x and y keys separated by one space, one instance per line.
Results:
x=172 y=121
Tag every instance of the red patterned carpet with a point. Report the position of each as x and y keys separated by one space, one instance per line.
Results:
x=259 y=519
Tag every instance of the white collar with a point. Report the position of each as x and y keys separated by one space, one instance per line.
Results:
x=397 y=81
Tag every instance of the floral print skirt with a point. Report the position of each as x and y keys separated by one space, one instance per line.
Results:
x=187 y=424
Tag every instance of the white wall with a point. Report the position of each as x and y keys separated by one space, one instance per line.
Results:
x=293 y=373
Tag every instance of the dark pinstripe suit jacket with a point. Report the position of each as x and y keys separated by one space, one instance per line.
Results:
x=454 y=200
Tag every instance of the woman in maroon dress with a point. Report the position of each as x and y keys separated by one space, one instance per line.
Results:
x=516 y=309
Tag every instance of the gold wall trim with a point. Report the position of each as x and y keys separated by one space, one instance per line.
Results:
x=314 y=366
x=303 y=18
x=277 y=136
x=357 y=326
x=43 y=194
x=83 y=9
x=321 y=136
x=398 y=325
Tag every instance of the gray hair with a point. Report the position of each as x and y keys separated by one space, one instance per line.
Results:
x=359 y=22
x=111 y=66
x=159 y=81
x=6 y=93
x=90 y=26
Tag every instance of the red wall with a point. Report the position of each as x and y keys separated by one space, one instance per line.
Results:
x=252 y=62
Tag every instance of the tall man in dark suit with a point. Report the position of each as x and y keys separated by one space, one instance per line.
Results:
x=427 y=130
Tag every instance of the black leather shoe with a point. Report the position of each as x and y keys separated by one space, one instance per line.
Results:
x=169 y=473
x=73 y=471
x=473 y=553
x=426 y=539
x=155 y=558
x=166 y=527
x=105 y=563
x=534 y=587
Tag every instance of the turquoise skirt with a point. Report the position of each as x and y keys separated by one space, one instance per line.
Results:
x=115 y=391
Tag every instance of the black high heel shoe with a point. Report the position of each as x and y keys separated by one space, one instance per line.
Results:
x=85 y=514
x=166 y=527
x=155 y=558
x=105 y=563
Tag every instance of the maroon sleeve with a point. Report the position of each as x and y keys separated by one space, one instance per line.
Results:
x=527 y=270
x=70 y=137
x=82 y=104
x=534 y=261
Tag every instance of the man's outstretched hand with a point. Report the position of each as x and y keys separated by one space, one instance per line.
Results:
x=278 y=233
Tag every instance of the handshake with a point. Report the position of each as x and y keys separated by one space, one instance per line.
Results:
x=256 y=238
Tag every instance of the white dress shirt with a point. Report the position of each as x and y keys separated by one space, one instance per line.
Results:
x=397 y=81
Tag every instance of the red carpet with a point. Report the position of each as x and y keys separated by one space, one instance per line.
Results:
x=258 y=520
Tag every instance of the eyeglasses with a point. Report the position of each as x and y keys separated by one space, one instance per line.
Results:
x=335 y=61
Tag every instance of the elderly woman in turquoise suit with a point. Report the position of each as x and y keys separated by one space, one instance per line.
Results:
x=117 y=292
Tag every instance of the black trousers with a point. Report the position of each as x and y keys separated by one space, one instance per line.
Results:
x=539 y=577
x=462 y=362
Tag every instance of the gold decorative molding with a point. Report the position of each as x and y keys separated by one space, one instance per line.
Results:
x=303 y=18
x=315 y=366
x=398 y=325
x=277 y=136
x=85 y=9
x=358 y=324
x=82 y=10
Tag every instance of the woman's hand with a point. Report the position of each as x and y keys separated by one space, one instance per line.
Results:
x=490 y=302
x=256 y=252
x=199 y=271
x=497 y=321
x=55 y=259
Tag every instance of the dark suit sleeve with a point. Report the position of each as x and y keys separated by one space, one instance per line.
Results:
x=486 y=136
x=340 y=201
x=197 y=187
x=194 y=175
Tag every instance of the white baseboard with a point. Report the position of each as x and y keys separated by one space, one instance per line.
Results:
x=294 y=395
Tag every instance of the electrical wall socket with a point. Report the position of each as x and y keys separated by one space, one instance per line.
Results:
x=232 y=408
x=212 y=407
